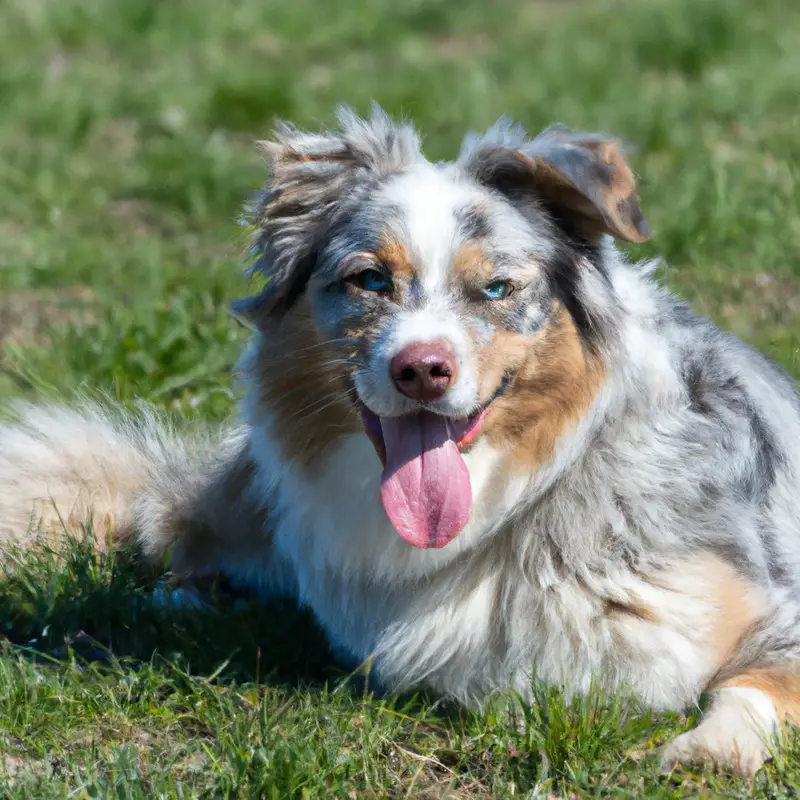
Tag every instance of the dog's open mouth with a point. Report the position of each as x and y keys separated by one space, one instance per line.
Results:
x=425 y=487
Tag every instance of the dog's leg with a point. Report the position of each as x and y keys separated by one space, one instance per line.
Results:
x=705 y=626
x=750 y=706
x=755 y=693
x=736 y=733
x=211 y=520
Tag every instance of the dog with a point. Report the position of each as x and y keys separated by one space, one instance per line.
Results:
x=475 y=441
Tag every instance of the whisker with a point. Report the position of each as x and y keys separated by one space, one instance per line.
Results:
x=300 y=388
x=310 y=408
x=326 y=343
x=297 y=355
x=315 y=408
x=346 y=361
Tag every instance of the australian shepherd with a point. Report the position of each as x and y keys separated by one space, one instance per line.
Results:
x=475 y=441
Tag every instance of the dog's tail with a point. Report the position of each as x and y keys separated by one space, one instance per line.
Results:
x=69 y=471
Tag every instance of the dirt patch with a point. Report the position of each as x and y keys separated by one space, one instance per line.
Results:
x=454 y=47
x=761 y=299
x=27 y=318
x=12 y=766
x=117 y=136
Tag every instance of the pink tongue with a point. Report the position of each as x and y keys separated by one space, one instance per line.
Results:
x=425 y=484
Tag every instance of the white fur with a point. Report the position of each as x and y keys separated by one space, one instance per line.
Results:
x=357 y=537
x=738 y=733
x=609 y=563
x=567 y=638
x=427 y=199
x=434 y=321
x=59 y=465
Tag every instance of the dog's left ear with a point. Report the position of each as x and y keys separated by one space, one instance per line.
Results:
x=315 y=182
x=582 y=179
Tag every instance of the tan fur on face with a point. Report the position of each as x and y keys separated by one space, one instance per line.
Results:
x=556 y=382
x=471 y=266
x=305 y=387
x=396 y=258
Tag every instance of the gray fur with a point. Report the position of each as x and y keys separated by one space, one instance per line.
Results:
x=315 y=181
x=688 y=452
x=576 y=176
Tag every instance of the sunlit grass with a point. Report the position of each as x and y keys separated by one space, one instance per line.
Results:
x=126 y=149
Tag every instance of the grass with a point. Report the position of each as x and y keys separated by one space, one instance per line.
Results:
x=126 y=147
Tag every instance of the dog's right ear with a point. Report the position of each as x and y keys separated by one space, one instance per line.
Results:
x=315 y=180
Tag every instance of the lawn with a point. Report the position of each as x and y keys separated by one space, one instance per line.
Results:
x=126 y=148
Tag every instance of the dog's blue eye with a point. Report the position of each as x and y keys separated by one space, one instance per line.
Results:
x=370 y=280
x=498 y=290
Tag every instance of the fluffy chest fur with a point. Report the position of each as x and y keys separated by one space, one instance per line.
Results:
x=510 y=596
x=477 y=443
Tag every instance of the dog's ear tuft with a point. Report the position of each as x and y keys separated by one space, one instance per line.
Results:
x=582 y=179
x=315 y=181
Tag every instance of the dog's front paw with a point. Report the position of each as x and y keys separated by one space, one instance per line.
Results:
x=742 y=753
x=734 y=736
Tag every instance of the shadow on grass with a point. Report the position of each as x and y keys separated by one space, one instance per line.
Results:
x=98 y=607
x=85 y=609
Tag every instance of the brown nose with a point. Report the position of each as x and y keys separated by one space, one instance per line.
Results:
x=424 y=371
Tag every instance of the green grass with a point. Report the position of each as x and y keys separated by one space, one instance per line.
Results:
x=126 y=147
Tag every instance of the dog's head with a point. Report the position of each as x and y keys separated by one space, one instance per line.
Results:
x=429 y=305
